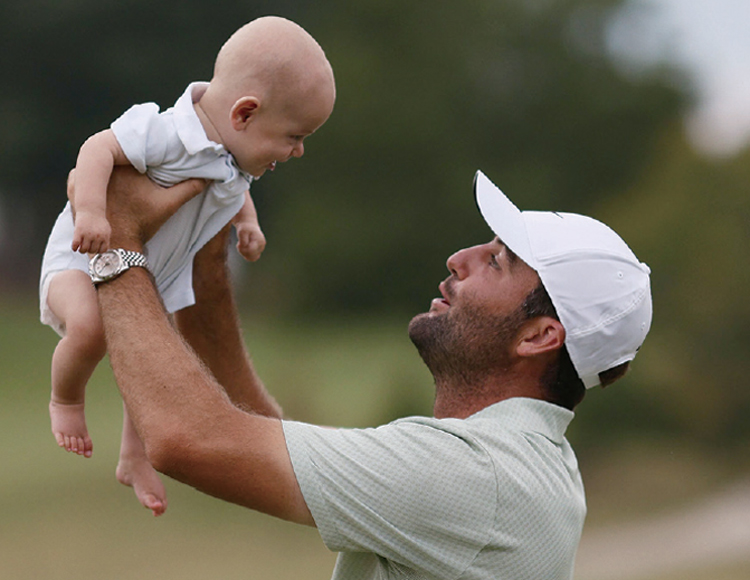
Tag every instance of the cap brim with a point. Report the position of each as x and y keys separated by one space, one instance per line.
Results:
x=503 y=217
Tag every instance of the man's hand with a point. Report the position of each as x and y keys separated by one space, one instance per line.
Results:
x=137 y=207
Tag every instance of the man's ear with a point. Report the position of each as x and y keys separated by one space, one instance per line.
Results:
x=540 y=335
x=243 y=112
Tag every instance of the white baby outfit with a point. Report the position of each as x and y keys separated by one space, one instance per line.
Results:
x=169 y=147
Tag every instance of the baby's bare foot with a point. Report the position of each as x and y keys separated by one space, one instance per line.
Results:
x=142 y=477
x=69 y=428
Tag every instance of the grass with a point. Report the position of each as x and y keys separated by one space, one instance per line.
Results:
x=739 y=571
x=64 y=517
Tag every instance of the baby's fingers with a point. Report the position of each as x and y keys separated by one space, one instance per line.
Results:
x=251 y=251
x=98 y=247
x=84 y=247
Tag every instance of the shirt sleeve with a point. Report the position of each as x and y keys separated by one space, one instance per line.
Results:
x=143 y=135
x=399 y=491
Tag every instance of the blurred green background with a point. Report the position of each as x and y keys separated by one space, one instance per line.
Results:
x=358 y=233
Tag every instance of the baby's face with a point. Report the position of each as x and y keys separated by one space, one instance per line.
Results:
x=276 y=134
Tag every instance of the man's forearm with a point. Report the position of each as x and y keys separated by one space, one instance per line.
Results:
x=190 y=429
x=157 y=372
x=211 y=327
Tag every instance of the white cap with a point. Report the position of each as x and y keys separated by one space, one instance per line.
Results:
x=599 y=288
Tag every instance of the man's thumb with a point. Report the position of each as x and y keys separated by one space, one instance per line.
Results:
x=181 y=193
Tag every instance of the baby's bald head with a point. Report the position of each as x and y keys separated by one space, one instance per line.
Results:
x=271 y=56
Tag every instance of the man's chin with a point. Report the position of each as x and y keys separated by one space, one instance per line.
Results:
x=416 y=321
x=424 y=326
x=421 y=317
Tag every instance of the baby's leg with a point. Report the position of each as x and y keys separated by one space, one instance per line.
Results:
x=72 y=299
x=135 y=470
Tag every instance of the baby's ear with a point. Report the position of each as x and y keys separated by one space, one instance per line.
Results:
x=539 y=335
x=243 y=112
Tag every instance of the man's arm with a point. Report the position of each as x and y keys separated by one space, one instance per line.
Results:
x=190 y=429
x=211 y=327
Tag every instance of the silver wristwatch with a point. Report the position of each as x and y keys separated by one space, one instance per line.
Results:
x=112 y=263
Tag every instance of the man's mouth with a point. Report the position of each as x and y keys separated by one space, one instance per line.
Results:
x=447 y=290
x=272 y=165
x=444 y=302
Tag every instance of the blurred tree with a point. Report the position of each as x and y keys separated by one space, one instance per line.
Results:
x=427 y=93
x=689 y=218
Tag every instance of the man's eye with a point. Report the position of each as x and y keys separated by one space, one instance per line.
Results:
x=493 y=261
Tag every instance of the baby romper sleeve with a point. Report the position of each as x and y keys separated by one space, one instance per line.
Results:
x=143 y=135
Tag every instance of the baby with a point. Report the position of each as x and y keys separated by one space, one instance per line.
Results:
x=272 y=87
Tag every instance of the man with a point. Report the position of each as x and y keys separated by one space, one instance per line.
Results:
x=488 y=488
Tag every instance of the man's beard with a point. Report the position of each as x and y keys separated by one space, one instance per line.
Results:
x=464 y=347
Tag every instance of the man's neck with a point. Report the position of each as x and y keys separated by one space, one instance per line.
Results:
x=457 y=399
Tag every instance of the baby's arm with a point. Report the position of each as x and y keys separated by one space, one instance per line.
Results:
x=250 y=239
x=96 y=158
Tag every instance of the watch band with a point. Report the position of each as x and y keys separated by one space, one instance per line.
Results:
x=134 y=259
x=111 y=263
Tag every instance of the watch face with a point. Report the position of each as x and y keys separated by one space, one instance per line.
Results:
x=106 y=264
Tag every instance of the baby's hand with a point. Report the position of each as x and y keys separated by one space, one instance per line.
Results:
x=250 y=240
x=91 y=233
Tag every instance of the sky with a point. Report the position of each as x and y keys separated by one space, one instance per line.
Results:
x=711 y=38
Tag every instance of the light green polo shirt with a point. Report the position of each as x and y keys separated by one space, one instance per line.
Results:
x=495 y=496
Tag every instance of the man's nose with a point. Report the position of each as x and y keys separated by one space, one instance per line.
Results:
x=461 y=263
x=458 y=263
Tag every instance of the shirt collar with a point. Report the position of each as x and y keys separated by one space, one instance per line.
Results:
x=532 y=415
x=189 y=128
